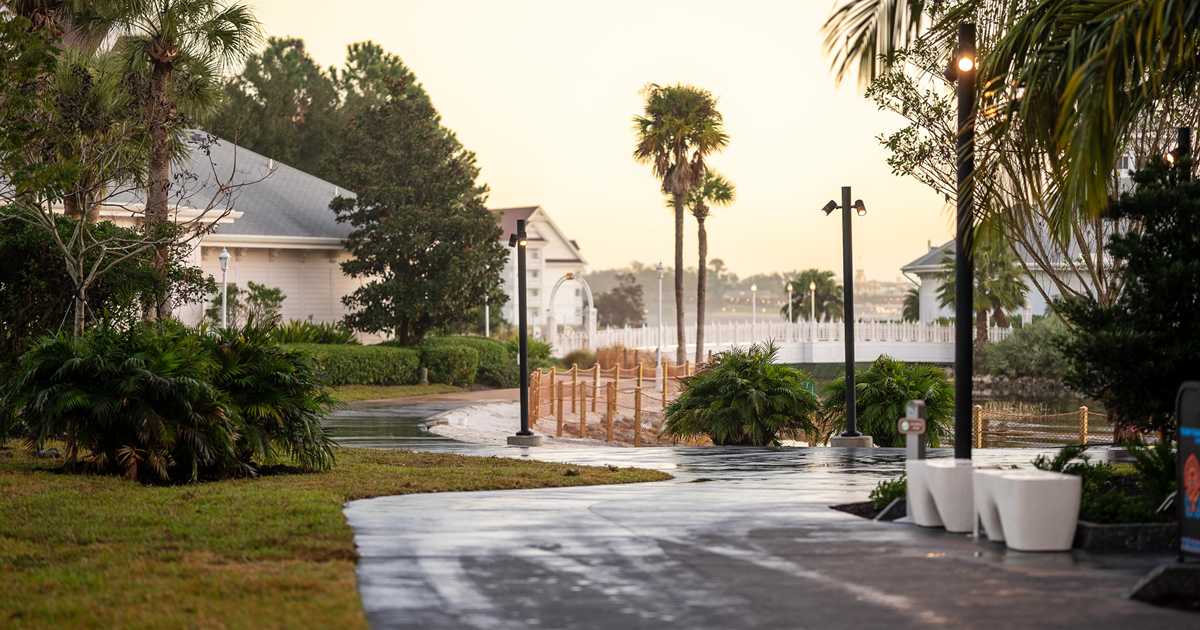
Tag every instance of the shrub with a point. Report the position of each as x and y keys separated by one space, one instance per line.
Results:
x=743 y=398
x=1117 y=495
x=258 y=303
x=275 y=398
x=884 y=390
x=450 y=364
x=539 y=353
x=1031 y=350
x=139 y=403
x=887 y=491
x=582 y=358
x=361 y=365
x=300 y=331
x=497 y=364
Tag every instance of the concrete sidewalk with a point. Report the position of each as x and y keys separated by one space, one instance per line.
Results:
x=742 y=538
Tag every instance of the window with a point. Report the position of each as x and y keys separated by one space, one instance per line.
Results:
x=536 y=254
x=533 y=273
x=533 y=292
x=576 y=292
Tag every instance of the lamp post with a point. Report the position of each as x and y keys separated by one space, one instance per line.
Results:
x=850 y=437
x=962 y=70
x=658 y=350
x=223 y=260
x=524 y=437
x=788 y=285
x=487 y=317
x=812 y=301
x=754 y=311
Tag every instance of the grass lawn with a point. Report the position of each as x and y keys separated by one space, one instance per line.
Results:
x=96 y=551
x=352 y=393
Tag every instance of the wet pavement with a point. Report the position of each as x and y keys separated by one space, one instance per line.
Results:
x=741 y=538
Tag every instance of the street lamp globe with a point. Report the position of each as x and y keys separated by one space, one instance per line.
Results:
x=966 y=63
x=223 y=259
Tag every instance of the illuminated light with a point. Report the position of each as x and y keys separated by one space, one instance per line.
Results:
x=966 y=63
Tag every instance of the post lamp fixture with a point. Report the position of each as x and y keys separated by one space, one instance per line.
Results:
x=753 y=310
x=812 y=301
x=223 y=260
x=658 y=350
x=963 y=71
x=524 y=437
x=851 y=436
x=788 y=285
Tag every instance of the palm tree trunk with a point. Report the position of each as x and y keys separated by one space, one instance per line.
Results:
x=981 y=327
x=680 y=337
x=701 y=289
x=159 y=178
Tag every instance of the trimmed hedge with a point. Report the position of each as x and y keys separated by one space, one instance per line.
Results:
x=497 y=365
x=361 y=365
x=450 y=363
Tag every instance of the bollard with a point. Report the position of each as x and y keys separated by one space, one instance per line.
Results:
x=582 y=411
x=423 y=377
x=595 y=384
x=574 y=384
x=977 y=425
x=912 y=425
x=1083 y=424
x=559 y=414
x=610 y=410
x=637 y=416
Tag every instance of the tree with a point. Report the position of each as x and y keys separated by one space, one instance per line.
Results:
x=623 y=304
x=883 y=391
x=679 y=128
x=423 y=243
x=174 y=51
x=1133 y=354
x=713 y=190
x=999 y=287
x=828 y=295
x=284 y=106
x=911 y=312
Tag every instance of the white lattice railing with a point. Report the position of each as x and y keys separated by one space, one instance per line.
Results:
x=724 y=334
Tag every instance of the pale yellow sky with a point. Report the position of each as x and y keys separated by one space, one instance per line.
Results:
x=543 y=92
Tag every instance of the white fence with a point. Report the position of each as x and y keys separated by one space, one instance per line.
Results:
x=799 y=342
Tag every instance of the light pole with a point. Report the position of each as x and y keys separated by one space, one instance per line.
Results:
x=962 y=70
x=754 y=311
x=851 y=436
x=524 y=437
x=788 y=285
x=812 y=301
x=223 y=260
x=658 y=350
x=487 y=317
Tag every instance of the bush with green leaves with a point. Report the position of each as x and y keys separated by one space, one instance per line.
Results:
x=1031 y=350
x=743 y=398
x=888 y=490
x=300 y=331
x=274 y=396
x=497 y=364
x=539 y=353
x=584 y=359
x=1119 y=494
x=258 y=303
x=882 y=393
x=139 y=403
x=361 y=365
x=450 y=364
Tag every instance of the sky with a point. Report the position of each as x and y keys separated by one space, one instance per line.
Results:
x=544 y=93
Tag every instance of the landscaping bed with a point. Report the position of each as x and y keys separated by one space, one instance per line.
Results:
x=101 y=551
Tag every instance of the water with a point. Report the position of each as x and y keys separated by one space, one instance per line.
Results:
x=389 y=427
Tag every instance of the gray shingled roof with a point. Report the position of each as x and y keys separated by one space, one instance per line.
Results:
x=288 y=202
x=935 y=257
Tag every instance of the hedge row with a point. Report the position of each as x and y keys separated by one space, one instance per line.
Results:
x=338 y=364
x=497 y=364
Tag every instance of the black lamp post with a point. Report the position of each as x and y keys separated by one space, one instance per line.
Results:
x=851 y=432
x=524 y=437
x=962 y=69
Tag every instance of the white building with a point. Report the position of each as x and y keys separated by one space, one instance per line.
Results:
x=552 y=261
x=281 y=233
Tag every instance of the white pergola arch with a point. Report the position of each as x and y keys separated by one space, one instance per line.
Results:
x=589 y=314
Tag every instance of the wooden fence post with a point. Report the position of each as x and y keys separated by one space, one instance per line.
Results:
x=583 y=410
x=639 y=375
x=637 y=416
x=617 y=378
x=977 y=425
x=637 y=357
x=574 y=384
x=595 y=384
x=553 y=378
x=610 y=410
x=535 y=389
x=1083 y=424
x=559 y=414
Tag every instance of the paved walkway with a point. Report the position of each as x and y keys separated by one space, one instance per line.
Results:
x=741 y=538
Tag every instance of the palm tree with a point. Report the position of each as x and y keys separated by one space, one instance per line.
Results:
x=828 y=294
x=718 y=191
x=999 y=288
x=679 y=128
x=912 y=305
x=76 y=24
x=174 y=51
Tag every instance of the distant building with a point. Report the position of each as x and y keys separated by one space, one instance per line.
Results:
x=550 y=257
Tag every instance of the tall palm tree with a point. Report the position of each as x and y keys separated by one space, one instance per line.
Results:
x=999 y=287
x=714 y=190
x=827 y=304
x=174 y=52
x=678 y=129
